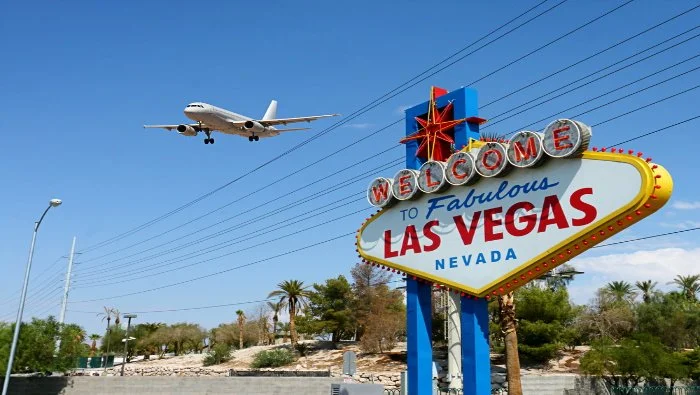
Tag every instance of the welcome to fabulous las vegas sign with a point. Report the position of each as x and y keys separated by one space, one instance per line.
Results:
x=499 y=214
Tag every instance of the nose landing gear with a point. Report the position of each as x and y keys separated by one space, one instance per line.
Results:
x=253 y=138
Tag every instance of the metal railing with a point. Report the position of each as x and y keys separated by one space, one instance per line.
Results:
x=655 y=390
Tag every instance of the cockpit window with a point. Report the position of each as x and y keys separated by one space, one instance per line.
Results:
x=195 y=105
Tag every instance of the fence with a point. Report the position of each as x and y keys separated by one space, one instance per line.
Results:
x=95 y=362
x=455 y=391
x=660 y=390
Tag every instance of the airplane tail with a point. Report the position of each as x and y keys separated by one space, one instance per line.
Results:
x=271 y=112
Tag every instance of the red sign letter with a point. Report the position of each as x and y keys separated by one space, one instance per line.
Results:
x=388 y=253
x=589 y=211
x=434 y=238
x=559 y=137
x=467 y=234
x=520 y=151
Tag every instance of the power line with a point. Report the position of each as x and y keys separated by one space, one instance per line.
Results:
x=656 y=131
x=274 y=182
x=608 y=103
x=394 y=281
x=139 y=275
x=597 y=53
x=216 y=305
x=306 y=199
x=570 y=32
x=222 y=271
x=646 y=237
x=646 y=106
x=559 y=89
x=332 y=127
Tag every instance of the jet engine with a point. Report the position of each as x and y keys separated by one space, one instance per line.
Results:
x=186 y=130
x=254 y=127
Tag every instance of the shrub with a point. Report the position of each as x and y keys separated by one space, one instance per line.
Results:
x=272 y=358
x=302 y=349
x=220 y=353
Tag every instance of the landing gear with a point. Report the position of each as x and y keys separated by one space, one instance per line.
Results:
x=208 y=140
x=253 y=138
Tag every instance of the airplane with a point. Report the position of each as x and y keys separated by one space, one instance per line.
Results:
x=211 y=118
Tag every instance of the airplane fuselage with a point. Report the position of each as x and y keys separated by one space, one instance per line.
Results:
x=220 y=119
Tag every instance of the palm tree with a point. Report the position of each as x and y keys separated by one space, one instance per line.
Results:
x=293 y=295
x=241 y=321
x=620 y=291
x=106 y=315
x=93 y=346
x=506 y=307
x=647 y=289
x=116 y=313
x=275 y=318
x=689 y=285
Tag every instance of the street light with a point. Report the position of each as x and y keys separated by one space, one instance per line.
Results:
x=127 y=338
x=15 y=337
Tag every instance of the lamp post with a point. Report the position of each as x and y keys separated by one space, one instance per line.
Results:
x=126 y=341
x=18 y=322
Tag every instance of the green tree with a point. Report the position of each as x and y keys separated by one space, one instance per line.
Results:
x=673 y=319
x=689 y=285
x=145 y=343
x=633 y=360
x=37 y=345
x=542 y=316
x=620 y=291
x=647 y=289
x=241 y=320
x=330 y=309
x=294 y=295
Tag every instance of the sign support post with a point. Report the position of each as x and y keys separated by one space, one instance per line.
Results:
x=419 y=312
x=419 y=345
x=476 y=361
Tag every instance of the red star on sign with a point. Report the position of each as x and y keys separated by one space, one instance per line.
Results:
x=434 y=139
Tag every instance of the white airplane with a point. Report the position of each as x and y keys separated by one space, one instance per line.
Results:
x=211 y=118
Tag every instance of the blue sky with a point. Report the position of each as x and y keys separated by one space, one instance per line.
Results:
x=81 y=78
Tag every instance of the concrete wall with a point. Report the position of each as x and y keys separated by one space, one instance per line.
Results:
x=559 y=384
x=136 y=385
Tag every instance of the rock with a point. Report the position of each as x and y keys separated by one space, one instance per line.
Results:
x=498 y=378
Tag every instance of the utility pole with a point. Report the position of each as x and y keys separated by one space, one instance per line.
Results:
x=66 y=287
x=126 y=339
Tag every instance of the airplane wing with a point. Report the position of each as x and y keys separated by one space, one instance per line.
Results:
x=169 y=127
x=284 y=121
x=290 y=129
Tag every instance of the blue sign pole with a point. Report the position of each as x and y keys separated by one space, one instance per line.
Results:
x=419 y=312
x=476 y=362
x=419 y=345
